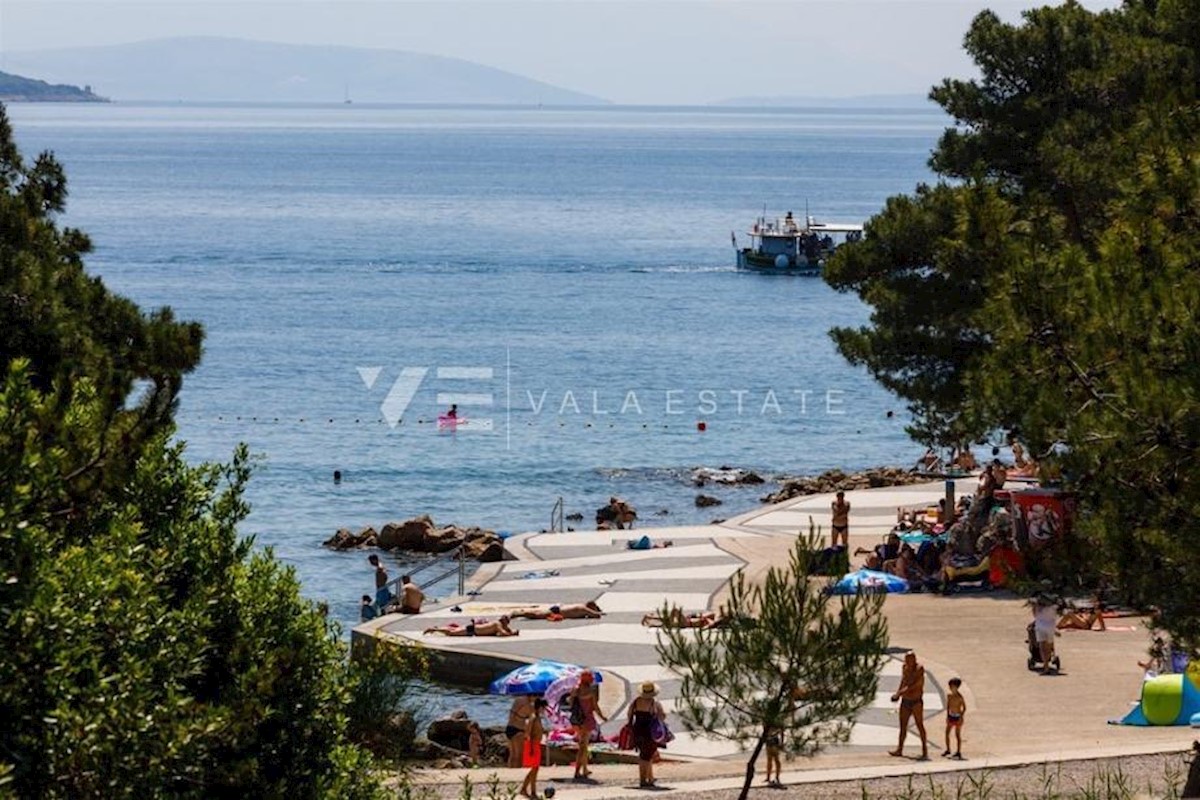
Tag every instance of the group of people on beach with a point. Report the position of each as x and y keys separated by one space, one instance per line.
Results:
x=526 y=730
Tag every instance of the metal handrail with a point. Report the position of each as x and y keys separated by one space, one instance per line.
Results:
x=457 y=555
x=557 y=522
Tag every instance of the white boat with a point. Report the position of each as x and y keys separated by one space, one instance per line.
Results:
x=786 y=246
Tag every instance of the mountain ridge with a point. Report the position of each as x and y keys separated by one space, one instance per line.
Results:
x=221 y=69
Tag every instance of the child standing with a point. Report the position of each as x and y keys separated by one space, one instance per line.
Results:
x=956 y=709
x=534 y=731
x=474 y=743
x=774 y=742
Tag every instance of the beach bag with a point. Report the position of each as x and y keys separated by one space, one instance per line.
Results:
x=625 y=737
x=660 y=733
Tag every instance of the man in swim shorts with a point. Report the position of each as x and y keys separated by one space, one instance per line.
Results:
x=911 y=695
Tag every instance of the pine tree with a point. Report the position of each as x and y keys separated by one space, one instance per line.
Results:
x=789 y=658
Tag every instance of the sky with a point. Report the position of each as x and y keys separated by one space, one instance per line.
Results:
x=646 y=52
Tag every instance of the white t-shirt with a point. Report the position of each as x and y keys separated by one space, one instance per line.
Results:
x=1045 y=619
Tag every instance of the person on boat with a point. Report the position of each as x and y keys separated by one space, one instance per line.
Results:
x=789 y=223
x=453 y=412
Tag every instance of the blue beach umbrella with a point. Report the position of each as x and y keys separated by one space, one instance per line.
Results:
x=534 y=678
x=869 y=580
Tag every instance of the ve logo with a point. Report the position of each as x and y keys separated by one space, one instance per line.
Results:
x=408 y=383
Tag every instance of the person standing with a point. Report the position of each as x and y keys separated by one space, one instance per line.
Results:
x=840 y=524
x=644 y=711
x=911 y=695
x=514 y=729
x=1045 y=628
x=956 y=709
x=585 y=707
x=383 y=595
x=534 y=731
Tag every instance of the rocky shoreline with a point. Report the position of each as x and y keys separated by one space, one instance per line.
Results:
x=421 y=535
x=835 y=480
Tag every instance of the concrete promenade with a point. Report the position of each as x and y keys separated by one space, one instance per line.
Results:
x=1014 y=716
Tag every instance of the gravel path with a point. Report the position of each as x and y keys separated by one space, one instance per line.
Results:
x=1148 y=776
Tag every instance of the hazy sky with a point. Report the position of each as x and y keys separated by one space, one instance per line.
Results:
x=654 y=51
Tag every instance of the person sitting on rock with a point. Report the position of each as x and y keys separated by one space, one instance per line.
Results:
x=588 y=610
x=498 y=628
x=618 y=513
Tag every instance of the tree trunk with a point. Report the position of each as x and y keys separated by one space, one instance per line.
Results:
x=750 y=767
x=1192 y=787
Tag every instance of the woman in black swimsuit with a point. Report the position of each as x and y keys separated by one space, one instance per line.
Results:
x=514 y=729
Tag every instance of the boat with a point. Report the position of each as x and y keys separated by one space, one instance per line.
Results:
x=786 y=246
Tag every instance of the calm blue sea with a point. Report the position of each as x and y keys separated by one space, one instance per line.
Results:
x=565 y=276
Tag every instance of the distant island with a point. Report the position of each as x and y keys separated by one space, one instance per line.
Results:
x=14 y=88
x=215 y=70
x=895 y=101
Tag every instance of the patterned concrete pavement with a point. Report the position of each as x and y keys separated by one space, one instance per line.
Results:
x=597 y=565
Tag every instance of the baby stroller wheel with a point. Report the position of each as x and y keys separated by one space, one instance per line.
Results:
x=1031 y=664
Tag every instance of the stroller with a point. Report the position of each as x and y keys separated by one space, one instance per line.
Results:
x=1034 y=661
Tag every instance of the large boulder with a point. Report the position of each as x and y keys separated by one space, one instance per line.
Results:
x=486 y=552
x=441 y=540
x=345 y=539
x=704 y=500
x=407 y=535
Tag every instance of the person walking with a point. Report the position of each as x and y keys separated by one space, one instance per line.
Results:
x=534 y=731
x=644 y=711
x=911 y=695
x=585 y=707
x=840 y=524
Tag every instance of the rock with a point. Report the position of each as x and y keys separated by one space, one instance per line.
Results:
x=440 y=540
x=835 y=480
x=451 y=731
x=728 y=476
x=421 y=535
x=575 y=517
x=345 y=539
x=485 y=551
x=703 y=501
x=716 y=521
x=407 y=535
x=662 y=512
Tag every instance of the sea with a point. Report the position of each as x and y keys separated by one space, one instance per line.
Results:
x=563 y=275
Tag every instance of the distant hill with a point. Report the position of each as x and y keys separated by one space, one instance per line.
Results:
x=898 y=101
x=17 y=88
x=210 y=69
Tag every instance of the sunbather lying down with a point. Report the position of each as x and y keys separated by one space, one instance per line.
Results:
x=588 y=610
x=497 y=628
x=677 y=619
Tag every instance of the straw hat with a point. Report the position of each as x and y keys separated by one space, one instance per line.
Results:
x=649 y=689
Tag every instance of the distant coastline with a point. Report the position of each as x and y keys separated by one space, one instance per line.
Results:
x=18 y=89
